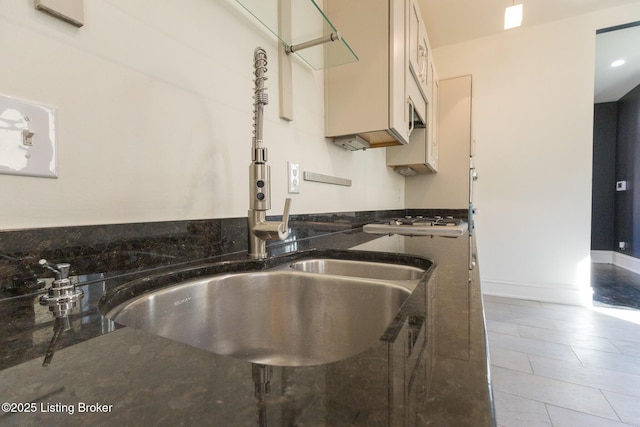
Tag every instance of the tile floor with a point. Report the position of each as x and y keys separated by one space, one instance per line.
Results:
x=613 y=285
x=558 y=365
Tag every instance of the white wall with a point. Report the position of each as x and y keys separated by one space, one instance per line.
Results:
x=532 y=121
x=155 y=110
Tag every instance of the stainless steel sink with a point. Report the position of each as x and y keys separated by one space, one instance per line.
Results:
x=365 y=269
x=303 y=312
x=279 y=317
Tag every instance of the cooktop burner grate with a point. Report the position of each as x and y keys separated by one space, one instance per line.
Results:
x=436 y=221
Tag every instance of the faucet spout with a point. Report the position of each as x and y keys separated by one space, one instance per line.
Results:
x=261 y=230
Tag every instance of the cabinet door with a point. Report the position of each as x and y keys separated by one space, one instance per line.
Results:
x=368 y=97
x=432 y=150
x=418 y=47
x=413 y=35
x=398 y=109
x=367 y=79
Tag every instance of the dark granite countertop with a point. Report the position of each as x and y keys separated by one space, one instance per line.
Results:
x=104 y=374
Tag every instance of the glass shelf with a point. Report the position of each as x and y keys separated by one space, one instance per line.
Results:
x=308 y=23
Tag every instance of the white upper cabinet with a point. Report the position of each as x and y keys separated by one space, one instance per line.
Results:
x=421 y=154
x=366 y=101
x=386 y=99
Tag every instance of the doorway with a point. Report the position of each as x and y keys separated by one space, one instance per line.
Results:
x=615 y=227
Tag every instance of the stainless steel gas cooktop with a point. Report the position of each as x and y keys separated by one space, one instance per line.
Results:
x=420 y=226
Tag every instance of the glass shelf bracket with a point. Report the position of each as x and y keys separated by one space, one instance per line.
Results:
x=315 y=42
x=303 y=29
x=307 y=23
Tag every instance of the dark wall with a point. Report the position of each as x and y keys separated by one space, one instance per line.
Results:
x=628 y=168
x=605 y=121
x=615 y=215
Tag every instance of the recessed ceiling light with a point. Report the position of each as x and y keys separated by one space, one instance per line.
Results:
x=617 y=63
x=513 y=16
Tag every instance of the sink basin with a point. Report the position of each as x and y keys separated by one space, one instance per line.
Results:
x=288 y=316
x=365 y=269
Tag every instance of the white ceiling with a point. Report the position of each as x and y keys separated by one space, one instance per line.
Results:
x=613 y=83
x=455 y=21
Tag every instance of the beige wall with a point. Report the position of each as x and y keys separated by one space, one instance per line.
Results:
x=532 y=121
x=154 y=108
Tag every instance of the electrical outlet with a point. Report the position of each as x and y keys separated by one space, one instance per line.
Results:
x=293 y=174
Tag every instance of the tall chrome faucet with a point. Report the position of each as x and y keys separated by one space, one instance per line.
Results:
x=261 y=230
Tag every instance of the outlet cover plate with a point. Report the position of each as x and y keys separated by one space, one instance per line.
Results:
x=27 y=138
x=293 y=177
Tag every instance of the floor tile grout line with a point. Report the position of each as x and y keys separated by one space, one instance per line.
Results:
x=555 y=379
x=546 y=408
x=615 y=346
x=631 y=396
x=580 y=365
x=620 y=350
x=532 y=339
x=557 y=405
x=530 y=364
x=602 y=370
x=517 y=323
x=580 y=412
x=579 y=362
x=584 y=347
x=528 y=398
x=577 y=356
x=612 y=407
x=607 y=367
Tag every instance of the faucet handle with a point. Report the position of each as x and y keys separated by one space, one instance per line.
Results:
x=61 y=271
x=285 y=215
x=283 y=226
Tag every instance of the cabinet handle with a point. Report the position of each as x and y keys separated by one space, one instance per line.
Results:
x=422 y=54
x=412 y=116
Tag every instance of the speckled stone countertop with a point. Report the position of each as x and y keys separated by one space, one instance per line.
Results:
x=429 y=371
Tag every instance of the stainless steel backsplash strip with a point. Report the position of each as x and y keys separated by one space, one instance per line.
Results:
x=326 y=179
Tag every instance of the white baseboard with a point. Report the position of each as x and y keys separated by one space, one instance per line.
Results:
x=602 y=257
x=560 y=294
x=618 y=259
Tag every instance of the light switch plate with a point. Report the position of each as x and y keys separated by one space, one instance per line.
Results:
x=71 y=11
x=27 y=138
x=293 y=173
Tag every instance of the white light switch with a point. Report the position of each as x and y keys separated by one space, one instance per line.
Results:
x=27 y=138
x=71 y=11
